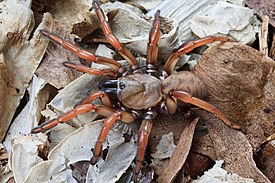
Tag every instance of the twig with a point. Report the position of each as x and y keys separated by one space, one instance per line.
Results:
x=263 y=36
x=272 y=49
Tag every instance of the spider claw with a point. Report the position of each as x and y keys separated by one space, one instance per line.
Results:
x=93 y=160
x=36 y=130
x=44 y=32
x=69 y=64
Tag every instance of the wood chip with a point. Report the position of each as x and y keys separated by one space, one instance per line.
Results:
x=263 y=31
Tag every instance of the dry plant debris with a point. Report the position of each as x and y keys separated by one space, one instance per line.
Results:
x=180 y=154
x=236 y=75
x=240 y=82
x=217 y=174
x=263 y=8
x=22 y=49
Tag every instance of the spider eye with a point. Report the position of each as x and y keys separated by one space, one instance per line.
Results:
x=122 y=85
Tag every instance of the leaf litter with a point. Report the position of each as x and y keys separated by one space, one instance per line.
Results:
x=224 y=76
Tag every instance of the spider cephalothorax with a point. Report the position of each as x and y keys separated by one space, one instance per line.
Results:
x=137 y=92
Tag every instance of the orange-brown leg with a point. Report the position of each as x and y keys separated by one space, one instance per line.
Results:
x=144 y=132
x=81 y=109
x=82 y=53
x=187 y=47
x=111 y=37
x=108 y=123
x=152 y=48
x=100 y=94
x=92 y=71
x=187 y=98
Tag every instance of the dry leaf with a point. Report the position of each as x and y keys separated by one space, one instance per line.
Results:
x=30 y=116
x=240 y=82
x=180 y=154
x=262 y=8
x=77 y=146
x=217 y=174
x=199 y=16
x=21 y=51
x=26 y=147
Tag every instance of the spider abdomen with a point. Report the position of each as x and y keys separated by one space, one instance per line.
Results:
x=185 y=81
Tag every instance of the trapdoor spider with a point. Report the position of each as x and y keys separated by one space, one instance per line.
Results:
x=137 y=92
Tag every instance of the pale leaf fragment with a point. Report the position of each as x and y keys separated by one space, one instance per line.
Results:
x=21 y=51
x=77 y=147
x=30 y=115
x=219 y=175
x=24 y=155
x=198 y=16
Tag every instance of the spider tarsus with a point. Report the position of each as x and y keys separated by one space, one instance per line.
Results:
x=36 y=130
x=94 y=160
x=69 y=64
x=44 y=32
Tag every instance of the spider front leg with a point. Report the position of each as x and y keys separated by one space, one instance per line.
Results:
x=108 y=123
x=88 y=70
x=187 y=98
x=126 y=54
x=83 y=53
x=187 y=47
x=84 y=107
x=81 y=109
x=144 y=132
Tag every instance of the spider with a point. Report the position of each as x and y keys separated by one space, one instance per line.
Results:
x=135 y=92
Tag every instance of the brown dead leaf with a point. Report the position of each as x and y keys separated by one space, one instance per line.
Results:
x=52 y=69
x=240 y=83
x=4 y=86
x=266 y=160
x=180 y=154
x=262 y=8
x=233 y=147
x=196 y=164
x=272 y=49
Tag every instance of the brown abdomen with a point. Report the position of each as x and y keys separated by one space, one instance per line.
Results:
x=185 y=81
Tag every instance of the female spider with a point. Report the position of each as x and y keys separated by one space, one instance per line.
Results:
x=137 y=92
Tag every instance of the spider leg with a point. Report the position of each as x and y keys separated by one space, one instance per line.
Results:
x=108 y=123
x=187 y=47
x=186 y=97
x=100 y=94
x=111 y=37
x=81 y=109
x=152 y=48
x=144 y=132
x=82 y=53
x=92 y=71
